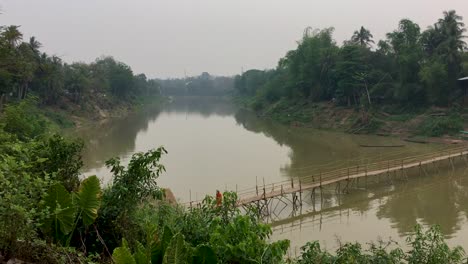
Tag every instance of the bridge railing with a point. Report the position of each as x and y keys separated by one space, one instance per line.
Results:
x=319 y=178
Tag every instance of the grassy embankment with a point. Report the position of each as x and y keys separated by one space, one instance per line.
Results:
x=404 y=122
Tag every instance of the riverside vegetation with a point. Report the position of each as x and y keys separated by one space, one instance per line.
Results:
x=68 y=94
x=405 y=84
x=49 y=214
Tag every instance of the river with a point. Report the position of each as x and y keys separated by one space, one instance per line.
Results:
x=213 y=145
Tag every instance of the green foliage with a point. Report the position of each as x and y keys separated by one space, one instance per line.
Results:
x=410 y=68
x=123 y=255
x=430 y=247
x=425 y=247
x=234 y=237
x=204 y=255
x=59 y=118
x=138 y=181
x=434 y=75
x=83 y=88
x=20 y=215
x=88 y=200
x=435 y=126
x=178 y=251
x=26 y=179
x=130 y=187
x=23 y=120
x=60 y=158
x=61 y=220
x=68 y=210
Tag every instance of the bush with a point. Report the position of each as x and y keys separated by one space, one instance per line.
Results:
x=218 y=233
x=425 y=247
x=235 y=237
x=23 y=120
x=27 y=170
x=60 y=158
x=19 y=199
x=435 y=126
x=130 y=187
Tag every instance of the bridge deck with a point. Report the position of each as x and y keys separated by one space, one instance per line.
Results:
x=310 y=186
x=265 y=192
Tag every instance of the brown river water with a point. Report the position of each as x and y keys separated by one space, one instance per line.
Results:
x=213 y=145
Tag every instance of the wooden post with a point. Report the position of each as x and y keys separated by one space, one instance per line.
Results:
x=190 y=195
x=264 y=191
x=320 y=179
x=321 y=198
x=256 y=185
x=313 y=199
x=453 y=166
x=300 y=193
x=357 y=179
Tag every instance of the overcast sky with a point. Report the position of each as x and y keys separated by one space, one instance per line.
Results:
x=162 y=38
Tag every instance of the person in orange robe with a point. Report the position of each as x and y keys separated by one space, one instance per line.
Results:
x=219 y=198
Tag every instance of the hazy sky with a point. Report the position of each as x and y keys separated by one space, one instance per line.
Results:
x=162 y=38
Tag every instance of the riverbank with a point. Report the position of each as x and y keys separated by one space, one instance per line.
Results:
x=97 y=111
x=423 y=125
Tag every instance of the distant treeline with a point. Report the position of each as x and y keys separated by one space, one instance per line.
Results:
x=203 y=85
x=409 y=67
x=24 y=69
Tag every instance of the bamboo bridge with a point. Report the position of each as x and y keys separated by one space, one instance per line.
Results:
x=261 y=195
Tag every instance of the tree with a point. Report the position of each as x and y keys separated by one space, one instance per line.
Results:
x=34 y=45
x=352 y=72
x=451 y=30
x=362 y=37
x=310 y=65
x=434 y=75
x=12 y=35
x=407 y=49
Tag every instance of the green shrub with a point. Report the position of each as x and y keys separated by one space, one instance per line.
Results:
x=60 y=158
x=23 y=120
x=425 y=247
x=60 y=119
x=131 y=186
x=435 y=126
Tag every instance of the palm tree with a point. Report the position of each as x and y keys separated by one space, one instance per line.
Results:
x=34 y=45
x=12 y=35
x=452 y=29
x=362 y=37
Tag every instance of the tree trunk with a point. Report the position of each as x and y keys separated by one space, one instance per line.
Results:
x=18 y=92
x=2 y=97
x=368 y=95
x=25 y=90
